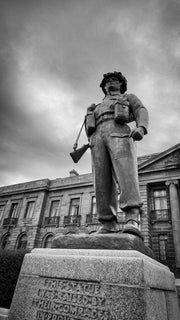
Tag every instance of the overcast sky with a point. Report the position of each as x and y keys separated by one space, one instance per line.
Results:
x=52 y=58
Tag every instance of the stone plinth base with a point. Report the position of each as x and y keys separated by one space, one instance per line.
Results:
x=66 y=284
x=4 y=314
x=111 y=241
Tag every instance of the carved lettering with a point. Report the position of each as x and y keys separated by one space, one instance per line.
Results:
x=81 y=313
x=72 y=286
x=62 y=299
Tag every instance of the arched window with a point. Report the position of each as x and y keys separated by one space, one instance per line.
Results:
x=22 y=242
x=5 y=241
x=48 y=241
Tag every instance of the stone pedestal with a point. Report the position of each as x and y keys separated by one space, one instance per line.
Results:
x=72 y=284
x=106 y=241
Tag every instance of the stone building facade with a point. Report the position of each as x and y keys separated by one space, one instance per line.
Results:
x=32 y=213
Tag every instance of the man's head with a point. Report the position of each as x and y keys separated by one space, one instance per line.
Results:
x=113 y=80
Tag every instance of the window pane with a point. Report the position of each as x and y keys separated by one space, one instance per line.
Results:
x=93 y=210
x=14 y=210
x=160 y=203
x=163 y=203
x=161 y=214
x=74 y=207
x=22 y=243
x=75 y=201
x=162 y=246
x=160 y=193
x=160 y=199
x=2 y=207
x=54 y=208
x=5 y=242
x=157 y=204
x=29 y=210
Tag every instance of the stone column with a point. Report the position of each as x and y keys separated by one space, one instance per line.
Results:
x=175 y=213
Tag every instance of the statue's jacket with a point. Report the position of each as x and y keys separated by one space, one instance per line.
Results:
x=113 y=151
x=106 y=110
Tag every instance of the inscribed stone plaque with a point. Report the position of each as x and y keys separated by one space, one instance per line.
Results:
x=57 y=284
x=66 y=299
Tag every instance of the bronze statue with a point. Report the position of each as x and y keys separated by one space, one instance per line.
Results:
x=113 y=154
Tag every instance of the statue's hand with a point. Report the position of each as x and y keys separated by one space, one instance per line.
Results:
x=91 y=107
x=138 y=133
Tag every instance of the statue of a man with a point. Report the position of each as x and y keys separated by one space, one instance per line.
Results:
x=113 y=153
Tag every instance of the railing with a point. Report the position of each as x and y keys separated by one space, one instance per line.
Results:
x=92 y=219
x=51 y=221
x=72 y=220
x=10 y=222
x=160 y=215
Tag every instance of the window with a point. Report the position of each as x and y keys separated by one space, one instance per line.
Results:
x=162 y=238
x=160 y=204
x=93 y=206
x=54 y=210
x=48 y=241
x=5 y=242
x=29 y=210
x=74 y=207
x=14 y=210
x=2 y=207
x=22 y=242
x=53 y=218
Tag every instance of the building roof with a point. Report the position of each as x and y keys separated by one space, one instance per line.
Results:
x=146 y=157
x=157 y=156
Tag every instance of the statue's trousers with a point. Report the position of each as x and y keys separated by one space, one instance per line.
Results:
x=114 y=163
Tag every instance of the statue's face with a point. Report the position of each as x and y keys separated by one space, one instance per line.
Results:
x=112 y=84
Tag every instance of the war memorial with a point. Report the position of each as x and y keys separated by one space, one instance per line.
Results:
x=107 y=274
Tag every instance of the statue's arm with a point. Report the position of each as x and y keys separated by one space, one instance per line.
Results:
x=139 y=112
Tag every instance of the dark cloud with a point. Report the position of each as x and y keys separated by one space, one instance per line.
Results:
x=52 y=57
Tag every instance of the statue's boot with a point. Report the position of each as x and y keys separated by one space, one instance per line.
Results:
x=132 y=223
x=108 y=227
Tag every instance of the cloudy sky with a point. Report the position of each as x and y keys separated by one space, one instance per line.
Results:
x=52 y=58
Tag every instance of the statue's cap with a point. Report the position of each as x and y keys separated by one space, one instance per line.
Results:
x=117 y=75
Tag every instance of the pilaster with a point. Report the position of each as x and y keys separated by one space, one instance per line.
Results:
x=175 y=213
